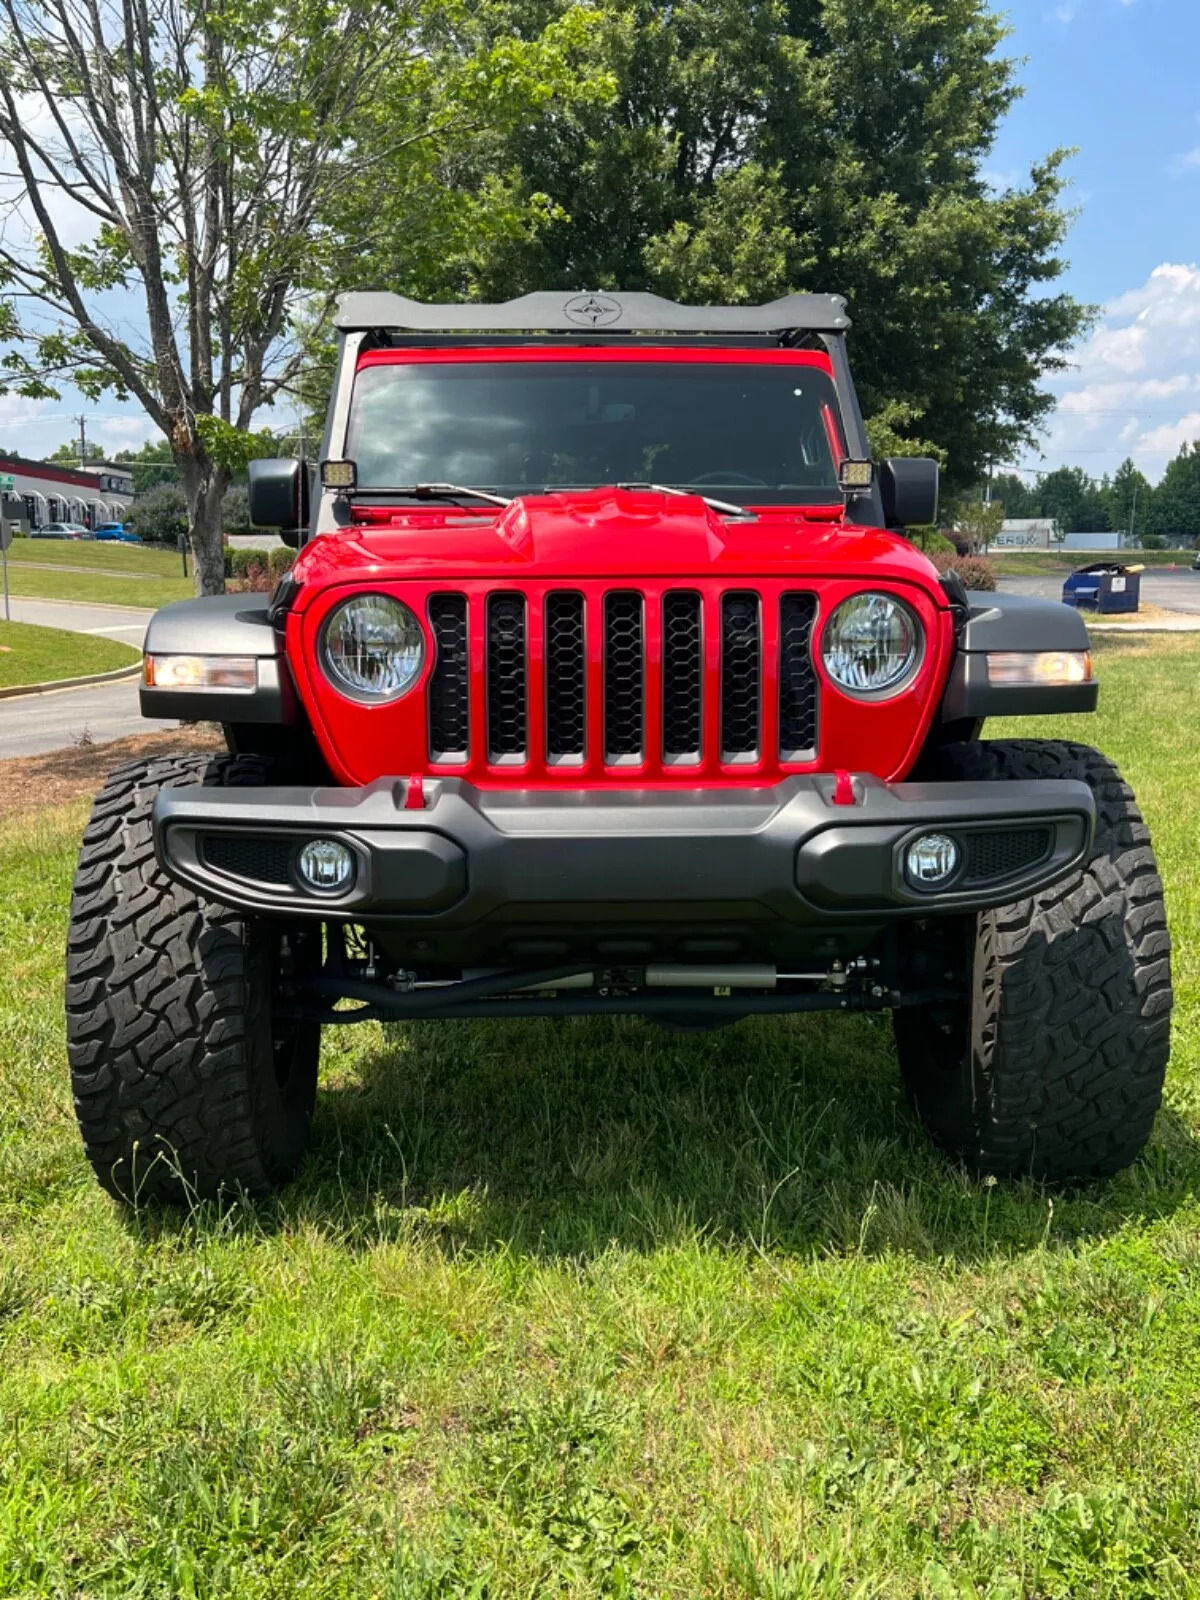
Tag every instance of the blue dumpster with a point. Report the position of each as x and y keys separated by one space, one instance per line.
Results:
x=1105 y=586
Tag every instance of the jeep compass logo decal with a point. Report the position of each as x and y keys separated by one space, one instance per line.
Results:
x=592 y=310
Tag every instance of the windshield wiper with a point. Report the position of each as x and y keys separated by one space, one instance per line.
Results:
x=437 y=491
x=726 y=506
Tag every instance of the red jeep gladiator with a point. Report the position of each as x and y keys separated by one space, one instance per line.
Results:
x=607 y=680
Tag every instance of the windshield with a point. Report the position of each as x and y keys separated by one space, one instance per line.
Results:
x=757 y=433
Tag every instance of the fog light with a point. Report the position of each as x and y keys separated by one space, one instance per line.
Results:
x=326 y=864
x=931 y=859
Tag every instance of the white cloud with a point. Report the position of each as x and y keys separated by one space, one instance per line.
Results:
x=1135 y=390
x=1183 y=165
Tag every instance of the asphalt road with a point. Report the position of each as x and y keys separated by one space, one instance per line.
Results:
x=1173 y=591
x=33 y=723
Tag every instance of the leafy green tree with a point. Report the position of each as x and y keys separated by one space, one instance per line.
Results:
x=159 y=516
x=150 y=465
x=68 y=453
x=979 y=521
x=1129 y=501
x=1070 y=497
x=1020 y=502
x=219 y=150
x=759 y=146
x=1175 y=508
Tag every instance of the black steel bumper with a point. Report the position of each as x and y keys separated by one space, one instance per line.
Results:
x=789 y=853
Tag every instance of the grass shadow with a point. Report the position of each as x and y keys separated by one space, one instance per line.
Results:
x=559 y=1138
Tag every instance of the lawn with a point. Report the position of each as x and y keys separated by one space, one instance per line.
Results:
x=98 y=588
x=101 y=554
x=1038 y=563
x=29 y=654
x=588 y=1309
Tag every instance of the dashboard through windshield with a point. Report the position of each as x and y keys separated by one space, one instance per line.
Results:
x=759 y=434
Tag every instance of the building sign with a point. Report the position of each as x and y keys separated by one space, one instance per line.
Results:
x=7 y=483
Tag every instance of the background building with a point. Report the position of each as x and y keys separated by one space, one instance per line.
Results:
x=33 y=493
x=1027 y=533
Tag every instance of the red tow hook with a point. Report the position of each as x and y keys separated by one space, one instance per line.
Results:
x=414 y=795
x=843 y=789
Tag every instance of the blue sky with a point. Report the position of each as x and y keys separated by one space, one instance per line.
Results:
x=1120 y=80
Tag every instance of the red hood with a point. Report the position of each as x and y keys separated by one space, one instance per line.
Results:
x=605 y=533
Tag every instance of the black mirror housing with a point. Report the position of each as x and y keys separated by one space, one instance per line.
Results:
x=909 y=485
x=279 y=496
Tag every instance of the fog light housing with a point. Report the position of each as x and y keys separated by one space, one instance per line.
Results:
x=931 y=860
x=326 y=864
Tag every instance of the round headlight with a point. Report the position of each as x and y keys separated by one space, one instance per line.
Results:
x=373 y=648
x=872 y=644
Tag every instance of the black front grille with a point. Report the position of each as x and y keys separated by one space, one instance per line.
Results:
x=507 y=688
x=624 y=678
x=797 y=678
x=566 y=679
x=991 y=856
x=248 y=855
x=741 y=677
x=449 y=685
x=683 y=676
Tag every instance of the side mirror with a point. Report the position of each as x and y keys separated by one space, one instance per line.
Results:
x=909 y=485
x=279 y=497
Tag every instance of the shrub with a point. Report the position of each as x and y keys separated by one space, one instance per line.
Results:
x=976 y=572
x=239 y=562
x=159 y=515
x=281 y=560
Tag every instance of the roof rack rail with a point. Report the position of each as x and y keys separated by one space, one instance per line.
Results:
x=548 y=311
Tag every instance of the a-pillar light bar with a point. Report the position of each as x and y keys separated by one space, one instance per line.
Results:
x=339 y=475
x=1039 y=668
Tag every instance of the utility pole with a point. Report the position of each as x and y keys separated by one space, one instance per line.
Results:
x=82 y=421
x=1133 y=514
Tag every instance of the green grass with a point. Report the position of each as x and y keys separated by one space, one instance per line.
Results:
x=588 y=1309
x=1035 y=563
x=97 y=589
x=101 y=554
x=29 y=654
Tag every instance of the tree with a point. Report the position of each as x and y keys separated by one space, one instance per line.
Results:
x=151 y=465
x=210 y=145
x=1019 y=501
x=1129 y=501
x=1175 y=508
x=160 y=515
x=69 y=453
x=979 y=521
x=1063 y=496
x=760 y=146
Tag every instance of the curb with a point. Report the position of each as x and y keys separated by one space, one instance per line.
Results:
x=97 y=678
x=87 y=605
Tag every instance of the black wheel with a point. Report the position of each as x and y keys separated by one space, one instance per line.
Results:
x=185 y=1083
x=1052 y=1062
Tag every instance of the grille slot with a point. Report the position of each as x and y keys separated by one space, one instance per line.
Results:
x=566 y=679
x=507 y=686
x=255 y=856
x=741 y=677
x=683 y=677
x=990 y=856
x=449 y=685
x=624 y=678
x=797 y=678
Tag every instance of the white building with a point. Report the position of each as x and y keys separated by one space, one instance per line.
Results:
x=1094 y=541
x=33 y=493
x=1027 y=533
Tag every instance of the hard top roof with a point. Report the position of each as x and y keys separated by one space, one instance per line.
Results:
x=551 y=311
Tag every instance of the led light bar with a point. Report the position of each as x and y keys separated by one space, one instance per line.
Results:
x=1039 y=668
x=339 y=475
x=854 y=476
x=200 y=672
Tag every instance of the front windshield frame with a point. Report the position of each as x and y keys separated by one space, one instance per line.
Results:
x=817 y=458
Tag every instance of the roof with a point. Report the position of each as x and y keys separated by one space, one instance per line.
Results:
x=53 y=471
x=552 y=311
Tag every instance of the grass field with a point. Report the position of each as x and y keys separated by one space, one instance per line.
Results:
x=587 y=1309
x=97 y=588
x=1036 y=563
x=101 y=554
x=29 y=654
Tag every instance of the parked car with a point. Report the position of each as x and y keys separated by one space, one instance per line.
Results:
x=561 y=742
x=1196 y=562
x=117 y=532
x=62 y=530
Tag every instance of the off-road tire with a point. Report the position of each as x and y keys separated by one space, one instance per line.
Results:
x=1052 y=1064
x=185 y=1084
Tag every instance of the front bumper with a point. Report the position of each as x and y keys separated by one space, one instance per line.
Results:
x=789 y=855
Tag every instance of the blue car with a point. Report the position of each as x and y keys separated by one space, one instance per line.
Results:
x=118 y=532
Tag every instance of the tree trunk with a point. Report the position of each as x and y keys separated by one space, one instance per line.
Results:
x=205 y=486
